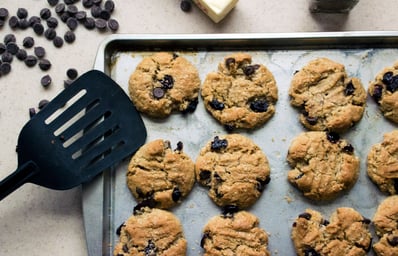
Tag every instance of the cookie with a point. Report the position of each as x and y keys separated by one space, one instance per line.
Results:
x=323 y=165
x=327 y=98
x=236 y=234
x=160 y=174
x=384 y=90
x=240 y=94
x=151 y=232
x=382 y=163
x=385 y=221
x=347 y=233
x=234 y=169
x=164 y=83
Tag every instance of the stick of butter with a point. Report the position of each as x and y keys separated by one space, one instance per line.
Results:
x=216 y=9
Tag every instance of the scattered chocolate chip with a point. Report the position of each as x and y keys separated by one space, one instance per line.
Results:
x=387 y=77
x=100 y=24
x=176 y=195
x=22 y=13
x=28 y=42
x=349 y=89
x=2 y=48
x=72 y=73
x=218 y=144
x=72 y=23
x=113 y=24
x=30 y=60
x=158 y=92
x=185 y=5
x=105 y=14
x=60 y=8
x=5 y=68
x=95 y=11
x=109 y=5
x=32 y=112
x=58 y=42
x=13 y=22
x=50 y=33
x=43 y=103
x=12 y=48
x=52 y=2
x=259 y=106
x=81 y=15
x=24 y=23
x=97 y=2
x=333 y=137
x=125 y=248
x=366 y=221
x=89 y=23
x=52 y=22
x=46 y=81
x=3 y=13
x=45 y=13
x=305 y=215
x=44 y=64
x=21 y=54
x=150 y=202
x=215 y=104
x=9 y=38
x=40 y=52
x=87 y=3
x=72 y=10
x=33 y=20
x=38 y=28
x=7 y=57
x=64 y=17
x=69 y=37
x=325 y=222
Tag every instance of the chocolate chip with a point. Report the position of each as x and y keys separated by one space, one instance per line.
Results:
x=262 y=183
x=325 y=222
x=113 y=24
x=89 y=23
x=333 y=137
x=69 y=37
x=2 y=48
x=7 y=57
x=229 y=210
x=185 y=5
x=67 y=83
x=206 y=235
x=299 y=176
x=43 y=103
x=97 y=2
x=167 y=82
x=22 y=13
x=72 y=23
x=38 y=28
x=50 y=33
x=158 y=92
x=311 y=120
x=58 y=42
x=393 y=241
x=39 y=52
x=13 y=22
x=150 y=249
x=46 y=81
x=30 y=60
x=52 y=2
x=24 y=23
x=180 y=146
x=87 y=3
x=311 y=252
x=12 y=48
x=21 y=54
x=218 y=144
x=229 y=62
x=150 y=202
x=105 y=14
x=205 y=175
x=100 y=24
x=72 y=10
x=3 y=13
x=387 y=77
x=81 y=15
x=377 y=92
x=28 y=42
x=5 y=68
x=32 y=112
x=125 y=248
x=250 y=70
x=305 y=215
x=60 y=8
x=191 y=106
x=259 y=106
x=9 y=38
x=33 y=20
x=215 y=104
x=72 y=73
x=176 y=195
x=44 y=64
x=52 y=22
x=95 y=11
x=45 y=13
x=64 y=17
x=348 y=149
x=349 y=89
x=109 y=5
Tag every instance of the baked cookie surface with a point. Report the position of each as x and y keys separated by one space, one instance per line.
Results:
x=385 y=221
x=328 y=99
x=163 y=83
x=234 y=169
x=382 y=163
x=151 y=232
x=347 y=233
x=323 y=165
x=236 y=234
x=160 y=174
x=240 y=94
x=384 y=90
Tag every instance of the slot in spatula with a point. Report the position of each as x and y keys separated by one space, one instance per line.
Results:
x=90 y=126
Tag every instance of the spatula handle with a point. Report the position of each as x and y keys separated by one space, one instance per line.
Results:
x=16 y=179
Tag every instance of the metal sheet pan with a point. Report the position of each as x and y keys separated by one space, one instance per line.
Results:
x=107 y=201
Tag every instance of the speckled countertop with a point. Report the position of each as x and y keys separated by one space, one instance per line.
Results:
x=38 y=221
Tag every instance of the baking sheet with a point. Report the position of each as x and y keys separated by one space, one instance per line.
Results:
x=107 y=202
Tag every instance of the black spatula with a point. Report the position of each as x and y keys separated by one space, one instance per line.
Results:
x=89 y=127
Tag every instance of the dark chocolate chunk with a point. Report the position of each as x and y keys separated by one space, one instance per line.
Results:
x=39 y=52
x=218 y=144
x=158 y=92
x=30 y=60
x=377 y=93
x=229 y=62
x=95 y=11
x=259 y=106
x=176 y=195
x=325 y=222
x=52 y=22
x=7 y=57
x=215 y=104
x=81 y=15
x=72 y=23
x=100 y=24
x=333 y=137
x=348 y=149
x=28 y=42
x=349 y=89
x=150 y=202
x=180 y=146
x=10 y=38
x=44 y=64
x=60 y=8
x=262 y=183
x=67 y=83
x=89 y=23
x=38 y=28
x=24 y=23
x=205 y=175
x=150 y=249
x=167 y=82
x=113 y=24
x=311 y=120
x=250 y=70
x=46 y=81
x=104 y=14
x=387 y=77
x=64 y=17
x=5 y=68
x=392 y=240
x=229 y=210
x=21 y=54
x=191 y=106
x=50 y=33
x=33 y=20
x=22 y=13
x=58 y=42
x=185 y=5
x=305 y=215
x=12 y=48
x=69 y=37
x=109 y=5
x=13 y=22
x=45 y=13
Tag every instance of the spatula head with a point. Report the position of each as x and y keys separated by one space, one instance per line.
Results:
x=90 y=126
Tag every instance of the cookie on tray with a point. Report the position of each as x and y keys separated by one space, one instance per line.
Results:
x=151 y=232
x=323 y=165
x=382 y=163
x=329 y=100
x=160 y=175
x=234 y=169
x=385 y=221
x=347 y=233
x=240 y=94
x=164 y=83
x=234 y=234
x=384 y=90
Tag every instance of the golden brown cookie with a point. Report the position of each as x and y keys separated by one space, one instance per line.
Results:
x=323 y=165
x=384 y=90
x=385 y=221
x=240 y=94
x=151 y=232
x=160 y=174
x=234 y=234
x=234 y=169
x=382 y=163
x=346 y=234
x=163 y=83
x=328 y=99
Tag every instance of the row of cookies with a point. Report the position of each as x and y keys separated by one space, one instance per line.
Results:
x=241 y=94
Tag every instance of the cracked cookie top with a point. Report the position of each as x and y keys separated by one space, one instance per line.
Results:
x=346 y=233
x=234 y=169
x=327 y=98
x=240 y=94
x=163 y=83
x=151 y=232
x=160 y=176
x=323 y=165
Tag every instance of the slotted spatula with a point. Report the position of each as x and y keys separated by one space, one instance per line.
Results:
x=90 y=126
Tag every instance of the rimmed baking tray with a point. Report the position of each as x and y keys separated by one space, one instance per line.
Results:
x=107 y=202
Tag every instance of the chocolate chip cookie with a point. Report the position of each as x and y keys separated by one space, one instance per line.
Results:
x=164 y=82
x=382 y=163
x=384 y=90
x=234 y=169
x=385 y=221
x=151 y=232
x=347 y=233
x=323 y=165
x=234 y=234
x=160 y=175
x=240 y=94
x=328 y=99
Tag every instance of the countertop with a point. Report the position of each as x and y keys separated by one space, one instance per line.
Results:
x=39 y=221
